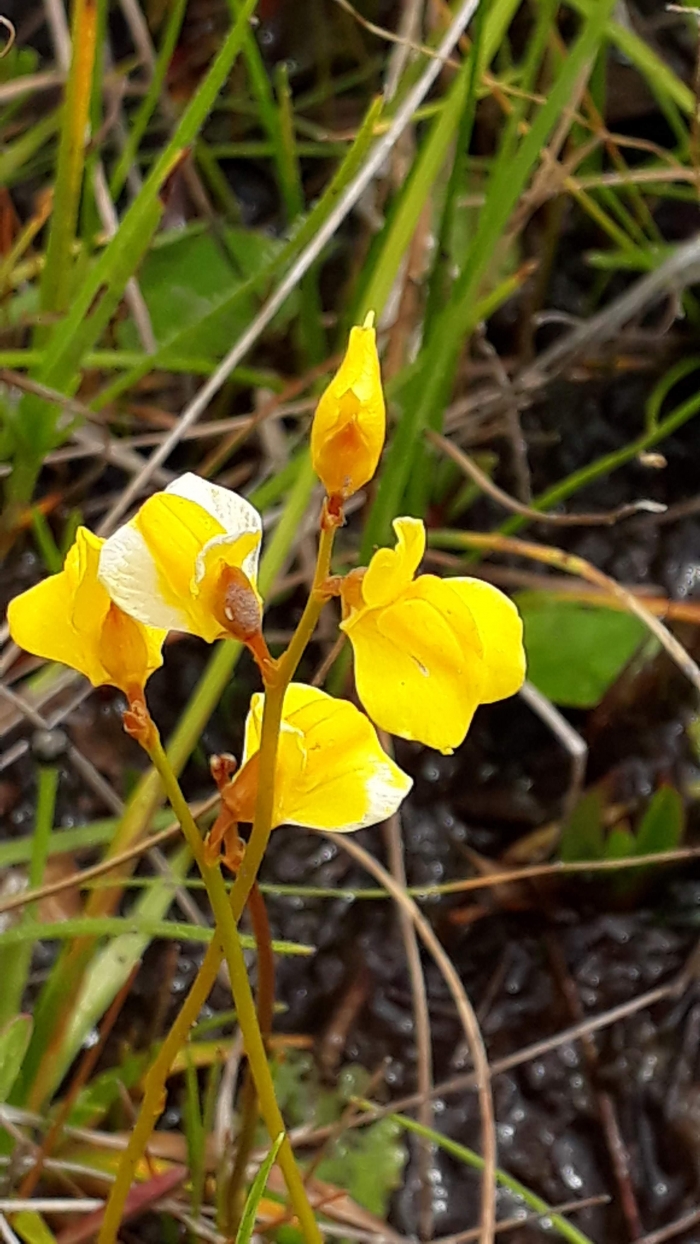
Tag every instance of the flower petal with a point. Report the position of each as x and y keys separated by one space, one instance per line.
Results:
x=90 y=602
x=412 y=674
x=391 y=570
x=501 y=633
x=129 y=572
x=234 y=514
x=41 y=619
x=70 y=618
x=239 y=551
x=345 y=781
x=153 y=565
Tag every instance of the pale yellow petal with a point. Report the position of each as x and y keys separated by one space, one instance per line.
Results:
x=501 y=633
x=411 y=674
x=129 y=573
x=391 y=570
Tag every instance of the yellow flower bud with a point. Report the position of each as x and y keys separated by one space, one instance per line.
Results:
x=347 y=434
x=70 y=618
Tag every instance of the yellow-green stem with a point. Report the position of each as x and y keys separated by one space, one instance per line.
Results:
x=234 y=905
x=270 y=729
x=233 y=1201
x=227 y=932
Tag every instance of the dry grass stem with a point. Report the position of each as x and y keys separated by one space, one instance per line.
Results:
x=467 y=1018
x=424 y=1044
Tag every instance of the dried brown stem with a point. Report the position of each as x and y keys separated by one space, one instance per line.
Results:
x=467 y=1018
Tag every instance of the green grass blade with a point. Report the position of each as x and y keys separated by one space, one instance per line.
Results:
x=561 y=1225
x=257 y=1190
x=57 y=275
x=15 y=964
x=426 y=400
x=404 y=218
x=94 y=303
x=144 y=928
x=150 y=100
x=303 y=234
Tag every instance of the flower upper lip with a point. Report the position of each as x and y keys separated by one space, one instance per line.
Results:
x=163 y=566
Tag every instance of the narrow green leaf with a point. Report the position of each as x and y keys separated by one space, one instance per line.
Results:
x=257 y=1191
x=150 y=100
x=425 y=403
x=36 y=426
x=619 y=844
x=14 y=1040
x=419 y=187
x=582 y=835
x=15 y=965
x=559 y=1224
x=58 y=269
x=663 y=823
x=254 y=285
x=32 y=1228
x=145 y=928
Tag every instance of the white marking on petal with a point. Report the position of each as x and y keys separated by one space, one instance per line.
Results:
x=129 y=573
x=386 y=790
x=235 y=514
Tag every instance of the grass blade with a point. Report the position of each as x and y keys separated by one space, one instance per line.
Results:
x=255 y=1196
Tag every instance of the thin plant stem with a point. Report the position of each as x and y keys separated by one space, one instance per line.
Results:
x=563 y=1228
x=227 y=911
x=227 y=931
x=235 y=1196
x=272 y=717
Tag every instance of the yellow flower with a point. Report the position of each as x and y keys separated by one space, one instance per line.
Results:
x=347 y=434
x=70 y=618
x=427 y=650
x=188 y=561
x=331 y=772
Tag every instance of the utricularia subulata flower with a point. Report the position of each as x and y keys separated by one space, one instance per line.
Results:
x=427 y=651
x=70 y=617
